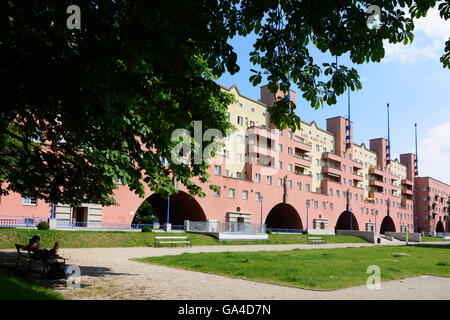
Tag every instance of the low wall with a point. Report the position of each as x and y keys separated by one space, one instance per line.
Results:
x=413 y=237
x=366 y=235
x=321 y=231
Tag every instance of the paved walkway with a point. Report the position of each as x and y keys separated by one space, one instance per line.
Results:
x=107 y=273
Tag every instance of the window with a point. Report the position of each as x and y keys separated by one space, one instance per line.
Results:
x=289 y=167
x=240 y=139
x=337 y=193
x=331 y=192
x=280 y=182
x=331 y=206
x=280 y=148
x=324 y=205
x=257 y=196
x=217 y=193
x=290 y=151
x=29 y=201
x=317 y=177
x=344 y=181
x=316 y=204
x=239 y=175
x=227 y=154
x=362 y=198
x=240 y=159
x=343 y=167
x=317 y=148
x=258 y=177
x=308 y=187
x=240 y=120
x=118 y=181
x=231 y=193
x=252 y=123
x=317 y=162
x=217 y=170
x=269 y=180
x=290 y=134
x=245 y=194
x=227 y=172
x=280 y=165
x=299 y=185
x=290 y=184
x=240 y=105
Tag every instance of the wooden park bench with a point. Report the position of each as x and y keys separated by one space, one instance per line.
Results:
x=173 y=241
x=25 y=256
x=316 y=240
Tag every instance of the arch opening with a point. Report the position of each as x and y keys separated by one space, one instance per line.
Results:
x=387 y=225
x=284 y=216
x=182 y=207
x=440 y=227
x=347 y=221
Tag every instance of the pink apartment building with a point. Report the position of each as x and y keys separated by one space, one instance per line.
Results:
x=309 y=179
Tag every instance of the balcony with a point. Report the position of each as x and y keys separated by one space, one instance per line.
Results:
x=357 y=177
x=334 y=172
x=331 y=156
x=357 y=165
x=302 y=146
x=255 y=149
x=407 y=182
x=376 y=172
x=262 y=132
x=302 y=161
x=376 y=183
x=407 y=192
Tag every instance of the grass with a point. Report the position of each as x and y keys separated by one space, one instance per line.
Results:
x=317 y=269
x=111 y=239
x=432 y=239
x=14 y=288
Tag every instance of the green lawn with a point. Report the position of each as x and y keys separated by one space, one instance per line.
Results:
x=104 y=239
x=429 y=239
x=14 y=288
x=317 y=269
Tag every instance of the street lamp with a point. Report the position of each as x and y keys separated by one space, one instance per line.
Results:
x=376 y=213
x=261 y=198
x=307 y=207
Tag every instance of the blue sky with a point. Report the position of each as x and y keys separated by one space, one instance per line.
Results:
x=410 y=78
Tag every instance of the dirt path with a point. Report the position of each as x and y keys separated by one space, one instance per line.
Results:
x=109 y=274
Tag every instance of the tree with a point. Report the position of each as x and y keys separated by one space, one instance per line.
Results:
x=145 y=214
x=81 y=108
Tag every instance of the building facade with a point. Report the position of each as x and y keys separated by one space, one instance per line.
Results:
x=312 y=178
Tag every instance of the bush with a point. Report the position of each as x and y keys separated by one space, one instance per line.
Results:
x=305 y=231
x=43 y=225
x=269 y=231
x=146 y=229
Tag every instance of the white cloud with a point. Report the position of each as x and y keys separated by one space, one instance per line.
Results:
x=430 y=34
x=434 y=153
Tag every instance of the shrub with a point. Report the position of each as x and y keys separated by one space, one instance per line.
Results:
x=146 y=229
x=269 y=231
x=305 y=231
x=43 y=225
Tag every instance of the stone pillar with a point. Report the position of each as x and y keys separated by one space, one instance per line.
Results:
x=52 y=223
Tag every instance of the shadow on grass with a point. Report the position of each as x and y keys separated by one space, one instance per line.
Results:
x=16 y=283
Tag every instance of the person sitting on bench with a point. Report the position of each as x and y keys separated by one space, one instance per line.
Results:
x=38 y=252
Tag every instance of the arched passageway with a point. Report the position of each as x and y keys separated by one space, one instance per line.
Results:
x=439 y=227
x=347 y=221
x=283 y=216
x=182 y=207
x=387 y=225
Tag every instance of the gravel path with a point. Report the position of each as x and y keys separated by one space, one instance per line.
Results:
x=107 y=273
